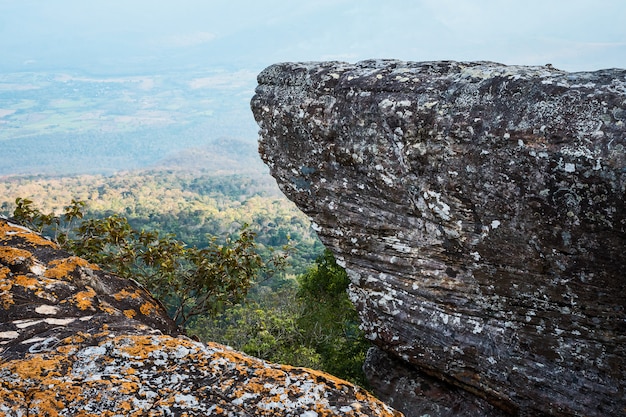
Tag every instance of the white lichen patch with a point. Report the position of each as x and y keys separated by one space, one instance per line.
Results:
x=47 y=309
x=37 y=269
x=569 y=167
x=25 y=323
x=386 y=103
x=477 y=326
x=398 y=245
x=9 y=335
x=33 y=340
x=186 y=399
x=59 y=322
x=387 y=179
x=435 y=203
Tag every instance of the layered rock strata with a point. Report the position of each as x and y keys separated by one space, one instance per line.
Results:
x=479 y=211
x=75 y=340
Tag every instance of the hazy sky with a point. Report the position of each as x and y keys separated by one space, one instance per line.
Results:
x=140 y=35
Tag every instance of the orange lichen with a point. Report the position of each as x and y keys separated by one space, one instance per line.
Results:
x=35 y=367
x=127 y=387
x=127 y=294
x=148 y=309
x=6 y=298
x=45 y=404
x=78 y=337
x=84 y=299
x=7 y=229
x=26 y=281
x=270 y=373
x=108 y=308
x=52 y=396
x=130 y=313
x=61 y=268
x=138 y=347
x=10 y=255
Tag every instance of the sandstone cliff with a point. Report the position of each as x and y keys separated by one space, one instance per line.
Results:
x=76 y=341
x=479 y=210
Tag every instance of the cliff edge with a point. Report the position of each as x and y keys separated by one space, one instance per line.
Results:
x=75 y=340
x=479 y=211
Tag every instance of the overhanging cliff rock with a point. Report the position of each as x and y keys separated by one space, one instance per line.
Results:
x=75 y=340
x=479 y=211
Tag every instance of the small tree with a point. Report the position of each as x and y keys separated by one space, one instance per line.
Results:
x=330 y=320
x=187 y=280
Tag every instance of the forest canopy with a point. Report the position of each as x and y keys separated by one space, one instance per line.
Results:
x=178 y=233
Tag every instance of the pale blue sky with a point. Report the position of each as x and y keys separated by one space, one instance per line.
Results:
x=140 y=35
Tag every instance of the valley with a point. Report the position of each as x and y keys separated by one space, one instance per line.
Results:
x=68 y=123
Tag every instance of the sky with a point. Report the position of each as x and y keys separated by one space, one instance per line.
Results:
x=169 y=35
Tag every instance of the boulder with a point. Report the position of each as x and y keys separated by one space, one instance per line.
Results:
x=479 y=211
x=75 y=340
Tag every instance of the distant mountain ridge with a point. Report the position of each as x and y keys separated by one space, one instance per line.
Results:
x=110 y=153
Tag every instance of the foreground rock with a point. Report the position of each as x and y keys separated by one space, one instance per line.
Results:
x=75 y=340
x=479 y=210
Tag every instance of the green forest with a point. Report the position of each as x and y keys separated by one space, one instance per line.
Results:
x=191 y=205
x=294 y=310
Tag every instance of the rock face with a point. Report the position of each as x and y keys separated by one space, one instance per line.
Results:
x=75 y=340
x=480 y=212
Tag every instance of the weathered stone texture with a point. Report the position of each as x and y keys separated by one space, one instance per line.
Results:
x=76 y=341
x=479 y=210
x=405 y=387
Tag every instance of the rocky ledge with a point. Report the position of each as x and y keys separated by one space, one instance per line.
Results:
x=75 y=340
x=479 y=210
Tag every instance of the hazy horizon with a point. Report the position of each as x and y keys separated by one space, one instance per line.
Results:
x=143 y=35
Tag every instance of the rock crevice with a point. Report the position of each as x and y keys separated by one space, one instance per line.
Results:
x=479 y=210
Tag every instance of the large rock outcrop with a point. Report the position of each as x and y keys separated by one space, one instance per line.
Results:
x=76 y=341
x=480 y=212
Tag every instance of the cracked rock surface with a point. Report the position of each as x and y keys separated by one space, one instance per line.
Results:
x=479 y=210
x=77 y=341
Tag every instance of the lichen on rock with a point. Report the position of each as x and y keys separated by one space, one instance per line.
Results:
x=479 y=211
x=75 y=340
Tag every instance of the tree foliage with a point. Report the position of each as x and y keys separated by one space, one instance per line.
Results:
x=188 y=280
x=330 y=320
x=311 y=323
